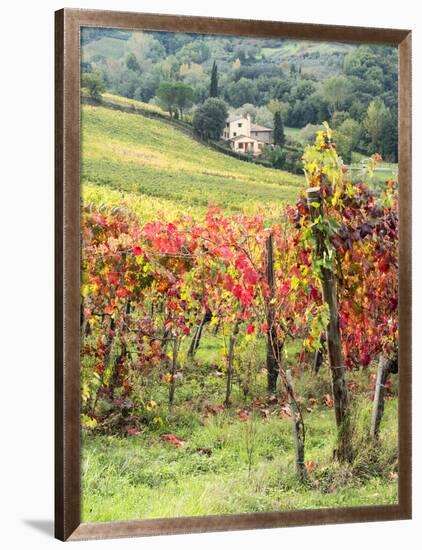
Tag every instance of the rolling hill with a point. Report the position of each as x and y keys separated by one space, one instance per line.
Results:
x=154 y=167
x=320 y=59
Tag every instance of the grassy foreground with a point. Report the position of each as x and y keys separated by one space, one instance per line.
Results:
x=230 y=465
x=144 y=477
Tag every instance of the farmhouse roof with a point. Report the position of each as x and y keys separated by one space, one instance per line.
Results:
x=258 y=128
x=238 y=138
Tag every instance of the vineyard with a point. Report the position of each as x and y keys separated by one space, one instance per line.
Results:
x=128 y=154
x=239 y=349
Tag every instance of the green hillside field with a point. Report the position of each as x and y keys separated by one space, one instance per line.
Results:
x=319 y=59
x=158 y=169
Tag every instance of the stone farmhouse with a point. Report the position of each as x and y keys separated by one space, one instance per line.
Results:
x=246 y=137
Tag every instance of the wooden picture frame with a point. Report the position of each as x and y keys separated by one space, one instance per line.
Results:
x=67 y=273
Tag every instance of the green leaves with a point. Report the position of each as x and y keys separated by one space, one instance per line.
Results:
x=318 y=322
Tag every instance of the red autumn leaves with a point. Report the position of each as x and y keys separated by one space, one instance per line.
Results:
x=185 y=268
x=172 y=439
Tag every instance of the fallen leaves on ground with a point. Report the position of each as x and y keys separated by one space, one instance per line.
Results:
x=133 y=431
x=285 y=412
x=171 y=438
x=310 y=465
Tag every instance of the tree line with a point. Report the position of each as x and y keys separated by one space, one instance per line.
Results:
x=357 y=93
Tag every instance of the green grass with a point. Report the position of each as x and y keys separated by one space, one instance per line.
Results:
x=134 y=103
x=131 y=154
x=144 y=477
x=293 y=133
x=384 y=170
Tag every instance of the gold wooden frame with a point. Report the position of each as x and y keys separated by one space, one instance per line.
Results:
x=67 y=273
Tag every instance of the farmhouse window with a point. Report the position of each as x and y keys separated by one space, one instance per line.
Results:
x=234 y=133
x=240 y=145
x=240 y=125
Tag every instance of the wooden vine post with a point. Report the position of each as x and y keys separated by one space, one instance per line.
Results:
x=319 y=355
x=230 y=357
x=335 y=355
x=297 y=429
x=273 y=345
x=173 y=369
x=206 y=318
x=383 y=372
x=116 y=367
x=196 y=338
x=109 y=330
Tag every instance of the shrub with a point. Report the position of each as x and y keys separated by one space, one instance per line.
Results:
x=209 y=118
x=93 y=82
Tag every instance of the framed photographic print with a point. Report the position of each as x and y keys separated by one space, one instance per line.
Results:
x=233 y=274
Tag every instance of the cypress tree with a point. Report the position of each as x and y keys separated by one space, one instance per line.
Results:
x=214 y=81
x=279 y=137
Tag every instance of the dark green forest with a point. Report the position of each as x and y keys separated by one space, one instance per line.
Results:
x=352 y=87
